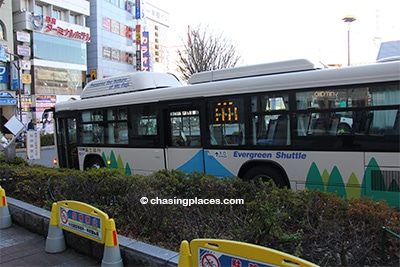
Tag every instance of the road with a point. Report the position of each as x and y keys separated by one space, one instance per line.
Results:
x=48 y=153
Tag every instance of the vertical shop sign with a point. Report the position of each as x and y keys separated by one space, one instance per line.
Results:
x=146 y=51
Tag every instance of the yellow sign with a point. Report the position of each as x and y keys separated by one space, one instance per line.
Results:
x=26 y=78
x=82 y=219
x=93 y=75
x=218 y=252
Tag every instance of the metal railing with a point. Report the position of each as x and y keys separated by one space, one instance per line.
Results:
x=384 y=231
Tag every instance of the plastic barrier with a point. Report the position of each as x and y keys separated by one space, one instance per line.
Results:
x=5 y=218
x=220 y=253
x=87 y=221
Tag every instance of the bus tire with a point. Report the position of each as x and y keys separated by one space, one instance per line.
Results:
x=95 y=163
x=266 y=173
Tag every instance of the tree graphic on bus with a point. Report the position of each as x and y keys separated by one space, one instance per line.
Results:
x=373 y=184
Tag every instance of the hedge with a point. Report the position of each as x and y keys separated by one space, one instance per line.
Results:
x=320 y=227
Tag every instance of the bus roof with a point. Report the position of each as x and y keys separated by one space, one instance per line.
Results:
x=255 y=70
x=131 y=82
x=345 y=76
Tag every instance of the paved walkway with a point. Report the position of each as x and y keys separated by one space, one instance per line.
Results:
x=20 y=247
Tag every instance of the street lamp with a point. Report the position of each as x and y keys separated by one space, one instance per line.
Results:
x=349 y=19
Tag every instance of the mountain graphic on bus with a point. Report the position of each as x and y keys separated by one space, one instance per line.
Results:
x=211 y=163
x=373 y=185
x=113 y=163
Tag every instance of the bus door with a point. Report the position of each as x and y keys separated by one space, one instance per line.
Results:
x=67 y=143
x=184 y=149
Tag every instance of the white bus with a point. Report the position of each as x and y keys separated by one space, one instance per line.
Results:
x=294 y=122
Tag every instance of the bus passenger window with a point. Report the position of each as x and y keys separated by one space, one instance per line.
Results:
x=185 y=128
x=277 y=131
x=117 y=126
x=144 y=132
x=270 y=125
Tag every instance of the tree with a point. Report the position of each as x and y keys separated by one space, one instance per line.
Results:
x=206 y=50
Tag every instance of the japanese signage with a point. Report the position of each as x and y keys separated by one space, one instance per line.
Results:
x=7 y=99
x=23 y=50
x=3 y=74
x=23 y=37
x=146 y=51
x=45 y=101
x=60 y=28
x=25 y=64
x=82 y=223
x=137 y=9
x=82 y=219
x=156 y=14
x=33 y=145
x=26 y=78
x=138 y=40
x=212 y=258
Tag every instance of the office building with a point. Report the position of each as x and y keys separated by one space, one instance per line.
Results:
x=50 y=39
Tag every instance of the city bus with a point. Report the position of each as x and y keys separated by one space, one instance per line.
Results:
x=295 y=122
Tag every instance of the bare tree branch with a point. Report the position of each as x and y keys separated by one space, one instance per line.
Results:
x=205 y=51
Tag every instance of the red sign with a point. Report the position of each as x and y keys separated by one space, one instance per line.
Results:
x=51 y=26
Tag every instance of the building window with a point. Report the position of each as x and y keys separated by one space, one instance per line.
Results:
x=72 y=18
x=2 y=31
x=38 y=10
x=56 y=14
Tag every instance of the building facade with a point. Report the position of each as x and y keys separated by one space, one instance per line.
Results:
x=8 y=101
x=50 y=39
x=115 y=42
x=60 y=45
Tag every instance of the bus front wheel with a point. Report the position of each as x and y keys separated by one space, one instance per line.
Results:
x=266 y=174
x=95 y=163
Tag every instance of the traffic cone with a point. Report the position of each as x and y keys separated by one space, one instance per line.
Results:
x=184 y=255
x=5 y=218
x=55 y=241
x=112 y=254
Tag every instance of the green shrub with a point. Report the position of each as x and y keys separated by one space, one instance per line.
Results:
x=47 y=139
x=320 y=227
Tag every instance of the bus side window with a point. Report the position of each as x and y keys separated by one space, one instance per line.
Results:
x=185 y=128
x=278 y=131
x=321 y=124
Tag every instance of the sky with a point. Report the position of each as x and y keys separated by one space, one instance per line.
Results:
x=266 y=30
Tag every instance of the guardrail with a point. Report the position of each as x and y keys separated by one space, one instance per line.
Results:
x=384 y=231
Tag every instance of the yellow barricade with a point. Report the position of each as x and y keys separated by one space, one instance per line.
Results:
x=220 y=253
x=87 y=221
x=5 y=217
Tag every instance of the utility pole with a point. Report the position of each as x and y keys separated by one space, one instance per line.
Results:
x=18 y=67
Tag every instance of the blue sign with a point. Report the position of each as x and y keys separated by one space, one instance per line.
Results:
x=137 y=9
x=213 y=258
x=84 y=224
x=3 y=55
x=8 y=101
x=15 y=84
x=3 y=74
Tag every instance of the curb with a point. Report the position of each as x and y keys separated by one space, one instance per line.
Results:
x=133 y=252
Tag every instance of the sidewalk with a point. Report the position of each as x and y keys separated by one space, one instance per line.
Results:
x=20 y=247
